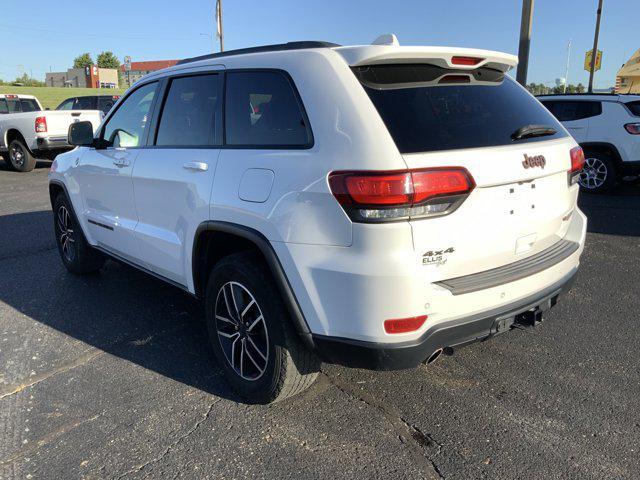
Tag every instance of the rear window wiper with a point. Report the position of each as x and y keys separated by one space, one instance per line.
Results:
x=530 y=131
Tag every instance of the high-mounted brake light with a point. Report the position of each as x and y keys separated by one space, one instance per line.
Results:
x=374 y=196
x=577 y=164
x=41 y=124
x=455 y=79
x=633 y=128
x=469 y=61
x=404 y=325
x=11 y=97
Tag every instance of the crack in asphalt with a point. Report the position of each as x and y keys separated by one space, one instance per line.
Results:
x=172 y=445
x=83 y=360
x=421 y=442
x=48 y=438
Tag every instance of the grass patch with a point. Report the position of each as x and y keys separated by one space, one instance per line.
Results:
x=51 y=97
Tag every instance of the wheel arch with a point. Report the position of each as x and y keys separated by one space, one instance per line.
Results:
x=12 y=134
x=605 y=147
x=215 y=239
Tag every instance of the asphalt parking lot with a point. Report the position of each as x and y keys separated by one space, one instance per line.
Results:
x=110 y=376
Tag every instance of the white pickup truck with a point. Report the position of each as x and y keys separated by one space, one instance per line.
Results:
x=29 y=132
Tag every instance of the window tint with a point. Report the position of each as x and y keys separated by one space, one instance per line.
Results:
x=66 y=105
x=29 y=105
x=105 y=104
x=429 y=108
x=4 y=108
x=13 y=105
x=127 y=126
x=85 y=103
x=189 y=112
x=634 y=107
x=567 y=111
x=261 y=109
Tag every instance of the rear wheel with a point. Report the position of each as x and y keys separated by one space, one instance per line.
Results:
x=599 y=174
x=76 y=253
x=20 y=158
x=251 y=334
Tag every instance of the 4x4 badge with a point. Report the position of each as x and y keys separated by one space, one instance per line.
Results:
x=436 y=257
x=535 y=161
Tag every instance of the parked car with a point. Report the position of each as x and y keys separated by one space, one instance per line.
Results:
x=607 y=126
x=28 y=132
x=389 y=203
x=89 y=102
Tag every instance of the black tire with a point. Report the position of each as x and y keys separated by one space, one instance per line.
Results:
x=76 y=253
x=597 y=163
x=20 y=158
x=288 y=367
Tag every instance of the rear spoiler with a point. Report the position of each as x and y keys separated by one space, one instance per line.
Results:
x=445 y=57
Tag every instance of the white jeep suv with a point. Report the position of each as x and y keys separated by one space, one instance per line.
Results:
x=370 y=206
x=607 y=127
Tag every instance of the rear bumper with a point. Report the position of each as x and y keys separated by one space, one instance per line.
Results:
x=455 y=333
x=52 y=143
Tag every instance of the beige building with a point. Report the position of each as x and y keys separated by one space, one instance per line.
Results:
x=88 y=77
x=628 y=77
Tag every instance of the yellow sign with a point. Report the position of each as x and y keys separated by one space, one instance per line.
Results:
x=587 y=60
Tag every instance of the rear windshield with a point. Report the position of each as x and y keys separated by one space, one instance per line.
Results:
x=634 y=107
x=428 y=108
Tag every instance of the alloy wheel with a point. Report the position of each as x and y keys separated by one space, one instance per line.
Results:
x=65 y=233
x=242 y=331
x=17 y=155
x=594 y=174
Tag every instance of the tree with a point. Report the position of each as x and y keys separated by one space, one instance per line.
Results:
x=82 y=61
x=27 y=81
x=108 y=60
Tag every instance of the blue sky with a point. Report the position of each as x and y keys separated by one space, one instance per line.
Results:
x=49 y=35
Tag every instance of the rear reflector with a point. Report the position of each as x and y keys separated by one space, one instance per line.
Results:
x=41 y=124
x=633 y=128
x=374 y=196
x=404 y=325
x=465 y=60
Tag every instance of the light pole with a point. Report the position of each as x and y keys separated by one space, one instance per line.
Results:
x=566 y=72
x=525 y=41
x=594 y=52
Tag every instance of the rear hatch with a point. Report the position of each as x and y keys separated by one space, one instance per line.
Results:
x=473 y=118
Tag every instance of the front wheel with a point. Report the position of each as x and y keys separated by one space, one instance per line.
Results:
x=76 y=253
x=598 y=174
x=252 y=335
x=20 y=158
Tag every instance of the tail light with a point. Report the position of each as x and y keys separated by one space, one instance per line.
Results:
x=41 y=124
x=577 y=163
x=374 y=196
x=633 y=128
x=404 y=325
x=469 y=61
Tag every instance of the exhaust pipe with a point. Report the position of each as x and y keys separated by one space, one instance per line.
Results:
x=434 y=356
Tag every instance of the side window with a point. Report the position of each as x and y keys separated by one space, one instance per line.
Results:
x=570 y=111
x=105 y=104
x=85 y=103
x=634 y=107
x=127 y=126
x=29 y=105
x=261 y=109
x=66 y=105
x=189 y=113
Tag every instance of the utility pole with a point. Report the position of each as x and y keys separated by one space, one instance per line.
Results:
x=566 y=72
x=525 y=41
x=219 y=32
x=594 y=53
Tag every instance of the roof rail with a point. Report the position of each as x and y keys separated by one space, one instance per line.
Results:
x=264 y=48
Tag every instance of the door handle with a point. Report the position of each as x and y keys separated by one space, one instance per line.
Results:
x=198 y=166
x=121 y=162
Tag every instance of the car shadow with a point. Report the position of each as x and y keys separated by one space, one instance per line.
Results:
x=4 y=165
x=120 y=310
x=615 y=214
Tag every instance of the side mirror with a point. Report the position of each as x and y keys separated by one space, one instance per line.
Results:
x=80 y=134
